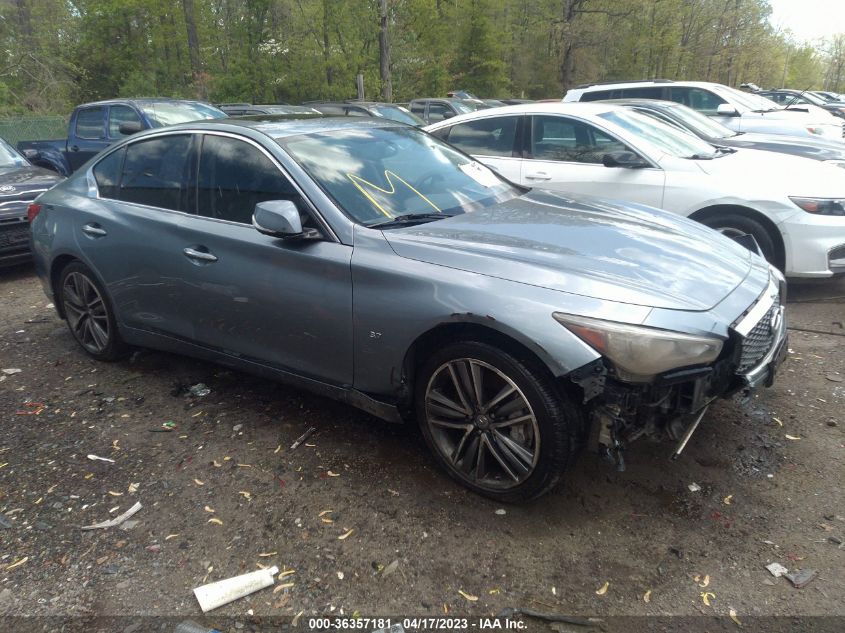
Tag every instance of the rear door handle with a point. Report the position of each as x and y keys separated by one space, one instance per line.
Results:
x=74 y=148
x=94 y=230
x=540 y=175
x=192 y=253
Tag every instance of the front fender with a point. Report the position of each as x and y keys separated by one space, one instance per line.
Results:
x=54 y=160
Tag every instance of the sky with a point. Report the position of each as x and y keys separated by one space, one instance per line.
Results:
x=809 y=20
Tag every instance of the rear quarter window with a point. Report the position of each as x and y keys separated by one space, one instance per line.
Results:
x=107 y=174
x=90 y=123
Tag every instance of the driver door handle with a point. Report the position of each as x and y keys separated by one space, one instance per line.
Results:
x=191 y=253
x=540 y=175
x=93 y=230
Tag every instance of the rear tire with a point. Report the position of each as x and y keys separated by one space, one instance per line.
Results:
x=495 y=422
x=733 y=224
x=88 y=312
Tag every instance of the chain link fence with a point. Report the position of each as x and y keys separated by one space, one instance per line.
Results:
x=32 y=128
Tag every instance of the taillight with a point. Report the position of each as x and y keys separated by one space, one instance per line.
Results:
x=32 y=210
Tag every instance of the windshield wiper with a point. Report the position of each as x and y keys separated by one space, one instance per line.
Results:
x=410 y=218
x=703 y=156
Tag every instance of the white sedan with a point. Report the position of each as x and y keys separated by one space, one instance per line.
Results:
x=794 y=207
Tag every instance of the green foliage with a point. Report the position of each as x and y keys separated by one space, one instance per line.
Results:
x=56 y=53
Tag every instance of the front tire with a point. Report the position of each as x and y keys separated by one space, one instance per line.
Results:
x=734 y=224
x=495 y=422
x=88 y=313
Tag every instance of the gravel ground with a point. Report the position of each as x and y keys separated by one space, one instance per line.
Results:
x=223 y=493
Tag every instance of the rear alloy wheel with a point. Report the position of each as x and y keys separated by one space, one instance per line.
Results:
x=88 y=313
x=497 y=425
x=734 y=225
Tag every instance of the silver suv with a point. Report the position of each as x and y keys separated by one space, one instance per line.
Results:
x=740 y=111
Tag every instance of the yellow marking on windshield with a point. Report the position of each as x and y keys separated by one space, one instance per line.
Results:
x=358 y=182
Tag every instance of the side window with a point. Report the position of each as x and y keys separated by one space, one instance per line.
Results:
x=418 y=108
x=488 y=137
x=442 y=133
x=645 y=92
x=234 y=176
x=356 y=112
x=89 y=123
x=438 y=112
x=155 y=172
x=331 y=110
x=107 y=174
x=654 y=114
x=699 y=99
x=562 y=139
x=596 y=95
x=119 y=114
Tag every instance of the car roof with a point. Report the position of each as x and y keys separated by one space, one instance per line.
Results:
x=654 y=103
x=590 y=108
x=446 y=99
x=142 y=100
x=290 y=127
x=641 y=83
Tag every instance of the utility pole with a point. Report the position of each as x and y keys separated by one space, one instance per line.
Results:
x=384 y=54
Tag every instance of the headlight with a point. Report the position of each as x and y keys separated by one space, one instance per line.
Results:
x=835 y=163
x=821 y=206
x=639 y=353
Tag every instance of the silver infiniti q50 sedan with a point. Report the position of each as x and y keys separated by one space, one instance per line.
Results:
x=373 y=263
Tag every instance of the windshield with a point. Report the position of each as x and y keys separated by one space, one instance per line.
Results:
x=398 y=113
x=9 y=156
x=747 y=99
x=666 y=138
x=701 y=124
x=376 y=174
x=808 y=96
x=161 y=113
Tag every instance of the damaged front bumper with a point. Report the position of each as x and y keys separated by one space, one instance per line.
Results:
x=672 y=405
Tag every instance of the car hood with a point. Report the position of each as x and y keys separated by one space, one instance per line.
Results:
x=23 y=178
x=589 y=247
x=768 y=174
x=817 y=149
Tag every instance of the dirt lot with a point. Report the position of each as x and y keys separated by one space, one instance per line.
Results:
x=765 y=497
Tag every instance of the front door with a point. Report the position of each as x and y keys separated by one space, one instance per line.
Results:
x=565 y=154
x=492 y=140
x=282 y=302
x=88 y=136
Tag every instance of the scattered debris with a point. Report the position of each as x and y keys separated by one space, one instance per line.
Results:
x=216 y=594
x=11 y=371
x=468 y=596
x=392 y=567
x=200 y=390
x=603 y=589
x=791 y=437
x=17 y=564
x=303 y=437
x=835 y=378
x=97 y=458
x=31 y=408
x=777 y=570
x=727 y=500
x=215 y=520
x=702 y=582
x=835 y=540
x=647 y=596
x=5 y=523
x=345 y=535
x=501 y=512
x=706 y=595
x=802 y=577
x=115 y=521
x=732 y=615
x=694 y=487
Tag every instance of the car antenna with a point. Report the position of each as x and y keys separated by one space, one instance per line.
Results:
x=800 y=94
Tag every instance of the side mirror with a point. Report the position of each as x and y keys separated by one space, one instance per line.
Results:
x=30 y=154
x=448 y=114
x=628 y=160
x=277 y=218
x=726 y=109
x=130 y=127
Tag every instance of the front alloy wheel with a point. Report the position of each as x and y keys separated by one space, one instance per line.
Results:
x=494 y=421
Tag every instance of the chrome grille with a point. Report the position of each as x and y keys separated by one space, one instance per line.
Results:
x=759 y=341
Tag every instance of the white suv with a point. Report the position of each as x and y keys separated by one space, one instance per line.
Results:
x=740 y=111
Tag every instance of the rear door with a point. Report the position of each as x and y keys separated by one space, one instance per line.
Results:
x=565 y=154
x=286 y=303
x=88 y=136
x=130 y=235
x=495 y=141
